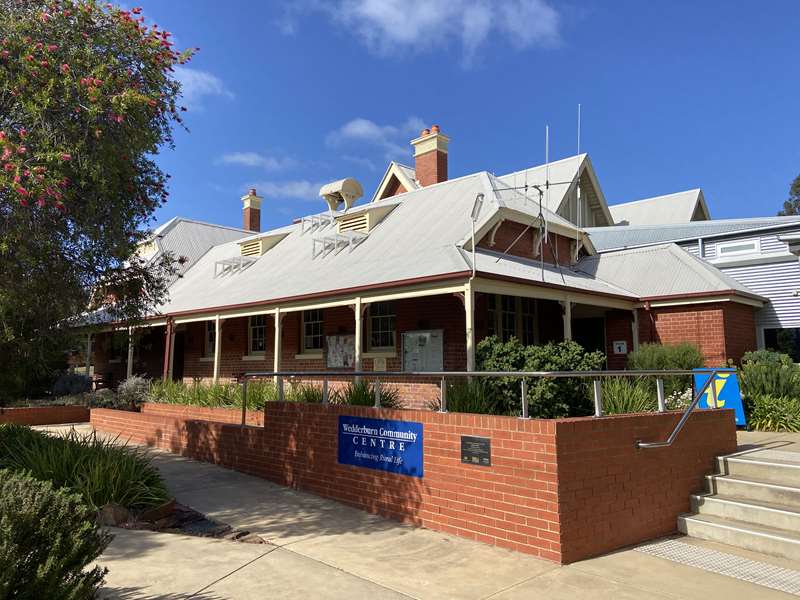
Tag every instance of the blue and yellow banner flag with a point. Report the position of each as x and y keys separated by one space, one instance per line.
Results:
x=728 y=393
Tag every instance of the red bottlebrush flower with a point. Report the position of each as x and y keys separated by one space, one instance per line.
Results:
x=136 y=10
x=17 y=179
x=23 y=192
x=45 y=17
x=22 y=150
x=65 y=68
x=39 y=45
x=6 y=155
x=152 y=102
x=23 y=133
x=40 y=201
x=5 y=53
x=44 y=63
x=64 y=182
x=2 y=135
x=52 y=47
x=8 y=167
x=29 y=58
x=119 y=118
x=65 y=157
x=23 y=202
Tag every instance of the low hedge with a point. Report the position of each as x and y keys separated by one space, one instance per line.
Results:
x=48 y=540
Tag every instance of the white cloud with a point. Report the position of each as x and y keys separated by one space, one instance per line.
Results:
x=389 y=27
x=360 y=161
x=301 y=189
x=391 y=140
x=254 y=159
x=196 y=85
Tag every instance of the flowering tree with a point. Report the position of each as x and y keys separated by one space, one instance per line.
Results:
x=87 y=98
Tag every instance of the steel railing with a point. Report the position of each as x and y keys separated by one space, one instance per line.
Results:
x=443 y=376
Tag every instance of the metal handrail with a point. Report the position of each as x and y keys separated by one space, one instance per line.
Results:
x=524 y=375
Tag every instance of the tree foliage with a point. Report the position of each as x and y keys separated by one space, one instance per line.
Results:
x=792 y=204
x=87 y=98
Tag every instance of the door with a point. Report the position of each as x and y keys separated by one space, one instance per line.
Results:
x=177 y=356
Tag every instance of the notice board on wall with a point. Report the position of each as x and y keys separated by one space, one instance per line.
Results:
x=341 y=351
x=423 y=350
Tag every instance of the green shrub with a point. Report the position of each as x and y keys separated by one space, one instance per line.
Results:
x=767 y=373
x=623 y=395
x=48 y=541
x=303 y=392
x=361 y=393
x=547 y=398
x=101 y=471
x=683 y=356
x=470 y=396
x=774 y=413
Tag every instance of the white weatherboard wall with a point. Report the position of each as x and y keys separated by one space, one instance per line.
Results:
x=778 y=282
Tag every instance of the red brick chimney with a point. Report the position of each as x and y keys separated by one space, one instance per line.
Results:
x=430 y=156
x=251 y=207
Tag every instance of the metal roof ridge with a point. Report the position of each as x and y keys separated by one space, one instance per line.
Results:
x=659 y=197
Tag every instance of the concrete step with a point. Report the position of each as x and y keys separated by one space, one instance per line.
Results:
x=733 y=486
x=758 y=538
x=749 y=511
x=762 y=468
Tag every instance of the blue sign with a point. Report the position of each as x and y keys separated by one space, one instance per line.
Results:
x=728 y=392
x=394 y=446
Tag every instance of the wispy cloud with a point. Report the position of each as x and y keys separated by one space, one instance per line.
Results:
x=360 y=161
x=400 y=27
x=300 y=189
x=196 y=85
x=391 y=140
x=254 y=159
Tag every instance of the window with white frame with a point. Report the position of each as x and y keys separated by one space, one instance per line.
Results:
x=312 y=331
x=508 y=317
x=528 y=321
x=210 y=338
x=257 y=334
x=739 y=247
x=381 y=326
x=491 y=309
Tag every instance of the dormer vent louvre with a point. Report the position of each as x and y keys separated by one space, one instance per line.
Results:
x=252 y=248
x=357 y=222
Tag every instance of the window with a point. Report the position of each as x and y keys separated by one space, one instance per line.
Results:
x=491 y=304
x=312 y=330
x=381 y=326
x=210 y=338
x=739 y=247
x=528 y=321
x=508 y=317
x=786 y=341
x=257 y=334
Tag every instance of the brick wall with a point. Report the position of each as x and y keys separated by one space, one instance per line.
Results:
x=612 y=495
x=431 y=167
x=557 y=246
x=44 y=415
x=722 y=330
x=221 y=415
x=554 y=485
x=619 y=327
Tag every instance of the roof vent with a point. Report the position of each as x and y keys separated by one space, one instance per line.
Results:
x=345 y=191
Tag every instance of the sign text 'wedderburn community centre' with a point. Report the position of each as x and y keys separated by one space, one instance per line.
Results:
x=394 y=446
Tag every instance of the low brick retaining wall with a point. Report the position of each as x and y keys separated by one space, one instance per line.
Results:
x=44 y=415
x=221 y=415
x=562 y=489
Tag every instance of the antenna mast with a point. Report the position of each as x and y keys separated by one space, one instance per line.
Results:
x=578 y=203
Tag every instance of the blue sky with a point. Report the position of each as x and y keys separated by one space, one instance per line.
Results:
x=675 y=95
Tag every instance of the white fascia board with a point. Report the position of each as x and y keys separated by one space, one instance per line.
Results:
x=589 y=169
x=702 y=300
x=531 y=290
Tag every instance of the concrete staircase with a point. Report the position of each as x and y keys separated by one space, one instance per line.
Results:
x=753 y=503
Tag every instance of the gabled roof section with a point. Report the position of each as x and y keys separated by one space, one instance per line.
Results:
x=189 y=239
x=662 y=271
x=396 y=174
x=630 y=236
x=565 y=174
x=680 y=207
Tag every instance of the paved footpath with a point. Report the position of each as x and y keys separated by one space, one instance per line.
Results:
x=319 y=548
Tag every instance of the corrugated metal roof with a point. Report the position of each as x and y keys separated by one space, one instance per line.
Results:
x=662 y=270
x=191 y=239
x=679 y=207
x=505 y=265
x=630 y=236
x=562 y=172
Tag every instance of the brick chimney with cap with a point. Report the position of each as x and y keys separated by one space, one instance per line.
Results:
x=430 y=156
x=251 y=207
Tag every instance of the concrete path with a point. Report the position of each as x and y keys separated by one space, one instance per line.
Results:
x=318 y=548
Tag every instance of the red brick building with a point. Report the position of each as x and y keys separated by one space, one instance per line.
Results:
x=413 y=279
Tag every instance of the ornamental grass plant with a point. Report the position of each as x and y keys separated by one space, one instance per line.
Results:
x=101 y=471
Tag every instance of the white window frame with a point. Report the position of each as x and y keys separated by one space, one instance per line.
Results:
x=209 y=339
x=305 y=349
x=721 y=246
x=519 y=317
x=250 y=328
x=370 y=319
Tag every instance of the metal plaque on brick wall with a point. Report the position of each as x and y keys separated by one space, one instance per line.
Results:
x=394 y=446
x=476 y=450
